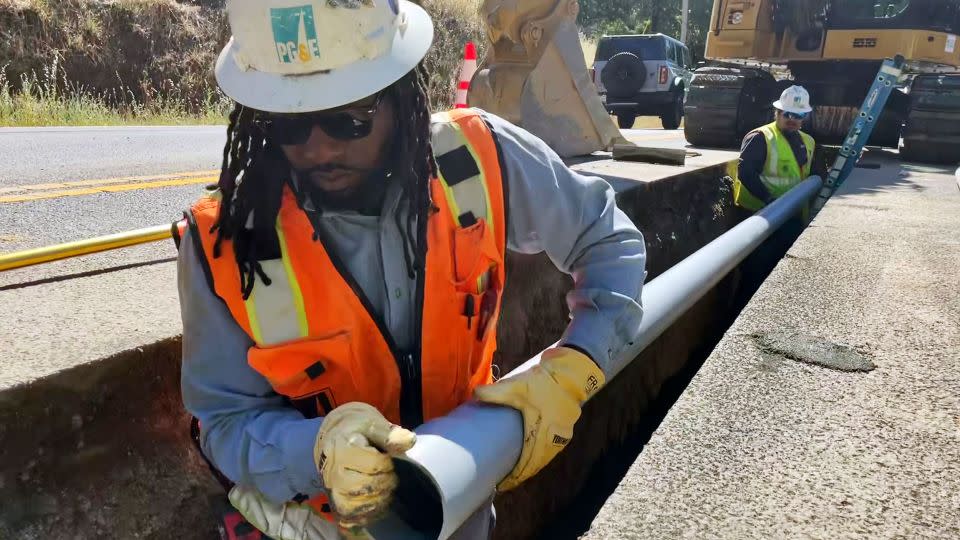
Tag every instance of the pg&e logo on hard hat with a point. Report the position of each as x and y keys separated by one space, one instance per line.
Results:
x=294 y=34
x=351 y=4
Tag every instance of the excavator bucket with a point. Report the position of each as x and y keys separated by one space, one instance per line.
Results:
x=535 y=76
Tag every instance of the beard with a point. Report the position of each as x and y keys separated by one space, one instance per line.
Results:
x=364 y=196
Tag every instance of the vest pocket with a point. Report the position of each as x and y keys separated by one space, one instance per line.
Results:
x=477 y=291
x=317 y=374
x=469 y=341
x=475 y=258
x=467 y=251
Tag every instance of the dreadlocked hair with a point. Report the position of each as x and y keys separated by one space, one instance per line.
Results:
x=254 y=172
x=414 y=164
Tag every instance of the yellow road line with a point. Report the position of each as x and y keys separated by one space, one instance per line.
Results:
x=111 y=188
x=105 y=181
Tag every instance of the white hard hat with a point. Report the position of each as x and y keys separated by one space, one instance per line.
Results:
x=294 y=56
x=795 y=99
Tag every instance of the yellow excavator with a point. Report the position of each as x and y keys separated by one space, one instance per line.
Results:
x=834 y=48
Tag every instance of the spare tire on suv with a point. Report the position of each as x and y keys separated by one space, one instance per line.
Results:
x=623 y=75
x=642 y=75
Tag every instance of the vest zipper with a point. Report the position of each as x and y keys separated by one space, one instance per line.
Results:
x=411 y=394
x=407 y=366
x=410 y=417
x=415 y=389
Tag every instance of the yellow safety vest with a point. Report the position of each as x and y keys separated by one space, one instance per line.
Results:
x=781 y=172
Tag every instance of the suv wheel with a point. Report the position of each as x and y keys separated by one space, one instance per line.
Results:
x=623 y=75
x=626 y=120
x=673 y=114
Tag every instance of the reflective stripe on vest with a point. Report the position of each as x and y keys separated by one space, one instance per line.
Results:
x=461 y=173
x=268 y=308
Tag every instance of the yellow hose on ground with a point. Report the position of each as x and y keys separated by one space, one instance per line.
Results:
x=30 y=257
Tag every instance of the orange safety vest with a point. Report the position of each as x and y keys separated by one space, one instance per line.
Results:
x=315 y=339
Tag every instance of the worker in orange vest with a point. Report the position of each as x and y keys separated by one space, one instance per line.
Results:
x=343 y=283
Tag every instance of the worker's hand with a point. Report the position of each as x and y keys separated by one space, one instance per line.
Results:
x=352 y=453
x=288 y=521
x=549 y=396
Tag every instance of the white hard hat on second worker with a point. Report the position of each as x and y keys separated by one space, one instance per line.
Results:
x=795 y=99
x=294 y=56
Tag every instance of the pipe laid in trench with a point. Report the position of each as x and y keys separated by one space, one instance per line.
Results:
x=458 y=459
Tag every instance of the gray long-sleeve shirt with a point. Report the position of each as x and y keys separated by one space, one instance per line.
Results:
x=254 y=438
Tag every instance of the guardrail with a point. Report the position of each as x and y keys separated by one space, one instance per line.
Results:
x=459 y=459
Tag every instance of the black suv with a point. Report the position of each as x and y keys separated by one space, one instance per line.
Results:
x=643 y=75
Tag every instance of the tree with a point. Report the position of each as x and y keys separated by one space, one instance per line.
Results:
x=597 y=14
x=599 y=17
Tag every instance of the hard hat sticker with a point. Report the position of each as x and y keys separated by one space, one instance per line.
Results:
x=350 y=4
x=294 y=34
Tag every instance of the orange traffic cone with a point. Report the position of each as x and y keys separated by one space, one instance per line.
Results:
x=466 y=73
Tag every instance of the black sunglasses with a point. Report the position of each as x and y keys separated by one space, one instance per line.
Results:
x=795 y=116
x=347 y=123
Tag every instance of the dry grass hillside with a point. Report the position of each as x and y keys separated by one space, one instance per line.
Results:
x=126 y=54
x=150 y=59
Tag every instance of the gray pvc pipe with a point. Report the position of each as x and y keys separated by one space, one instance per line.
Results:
x=459 y=459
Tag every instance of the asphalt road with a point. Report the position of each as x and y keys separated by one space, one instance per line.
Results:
x=85 y=160
x=40 y=155
x=52 y=183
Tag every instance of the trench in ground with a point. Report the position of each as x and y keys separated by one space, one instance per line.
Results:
x=606 y=474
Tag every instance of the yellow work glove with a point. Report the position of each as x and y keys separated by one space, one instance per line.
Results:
x=549 y=396
x=352 y=453
x=287 y=521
